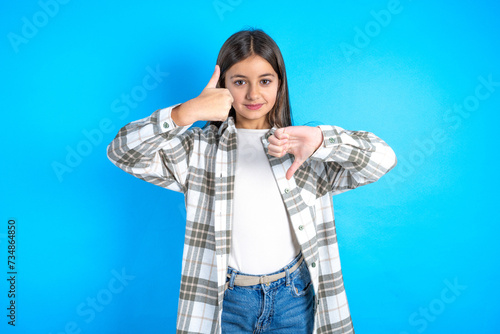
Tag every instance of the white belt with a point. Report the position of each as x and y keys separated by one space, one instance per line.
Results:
x=244 y=280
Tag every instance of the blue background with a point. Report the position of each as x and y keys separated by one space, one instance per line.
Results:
x=431 y=223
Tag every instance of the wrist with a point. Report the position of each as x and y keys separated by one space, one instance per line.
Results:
x=318 y=138
x=182 y=115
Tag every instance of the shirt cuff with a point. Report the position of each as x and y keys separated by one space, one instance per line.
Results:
x=333 y=138
x=165 y=121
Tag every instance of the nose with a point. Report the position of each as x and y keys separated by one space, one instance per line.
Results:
x=252 y=92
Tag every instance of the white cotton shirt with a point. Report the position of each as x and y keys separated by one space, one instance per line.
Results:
x=262 y=239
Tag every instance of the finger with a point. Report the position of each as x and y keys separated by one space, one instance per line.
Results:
x=278 y=133
x=281 y=133
x=277 y=151
x=274 y=149
x=275 y=141
x=274 y=154
x=215 y=78
x=293 y=168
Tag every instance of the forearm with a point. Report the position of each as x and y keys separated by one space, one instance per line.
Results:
x=362 y=156
x=183 y=115
x=136 y=147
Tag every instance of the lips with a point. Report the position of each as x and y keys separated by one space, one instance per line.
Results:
x=253 y=106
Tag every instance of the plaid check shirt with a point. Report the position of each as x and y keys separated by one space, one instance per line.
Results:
x=201 y=164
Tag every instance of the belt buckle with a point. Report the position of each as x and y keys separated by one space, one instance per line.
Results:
x=262 y=278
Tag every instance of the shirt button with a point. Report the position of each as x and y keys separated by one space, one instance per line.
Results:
x=165 y=125
x=287 y=190
x=301 y=227
x=332 y=140
x=313 y=264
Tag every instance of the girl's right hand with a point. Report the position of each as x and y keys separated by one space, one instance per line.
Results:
x=213 y=104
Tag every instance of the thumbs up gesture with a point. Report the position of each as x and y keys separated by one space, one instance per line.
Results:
x=301 y=141
x=213 y=104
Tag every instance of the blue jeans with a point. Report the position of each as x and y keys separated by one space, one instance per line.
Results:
x=284 y=306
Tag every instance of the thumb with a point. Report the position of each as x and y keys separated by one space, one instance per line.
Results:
x=293 y=168
x=214 y=79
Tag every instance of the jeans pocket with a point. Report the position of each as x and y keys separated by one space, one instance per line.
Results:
x=301 y=281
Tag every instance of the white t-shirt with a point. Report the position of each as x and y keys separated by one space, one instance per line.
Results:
x=262 y=239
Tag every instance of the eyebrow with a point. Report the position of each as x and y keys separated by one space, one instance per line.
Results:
x=242 y=76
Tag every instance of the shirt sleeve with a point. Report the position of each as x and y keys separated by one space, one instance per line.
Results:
x=153 y=149
x=353 y=158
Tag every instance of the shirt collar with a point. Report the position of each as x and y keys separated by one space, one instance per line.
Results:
x=229 y=125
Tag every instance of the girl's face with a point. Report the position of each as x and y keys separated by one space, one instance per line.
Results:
x=253 y=83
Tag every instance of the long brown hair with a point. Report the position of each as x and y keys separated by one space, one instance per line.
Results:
x=246 y=43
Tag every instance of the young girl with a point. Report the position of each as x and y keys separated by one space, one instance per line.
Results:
x=260 y=251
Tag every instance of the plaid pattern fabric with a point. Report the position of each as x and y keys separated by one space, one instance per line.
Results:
x=201 y=164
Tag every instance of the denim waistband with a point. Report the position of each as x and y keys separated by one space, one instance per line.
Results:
x=263 y=279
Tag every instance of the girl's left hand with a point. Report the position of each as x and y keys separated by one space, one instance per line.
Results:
x=301 y=141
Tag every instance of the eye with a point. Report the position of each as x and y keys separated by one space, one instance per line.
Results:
x=265 y=81
x=239 y=82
